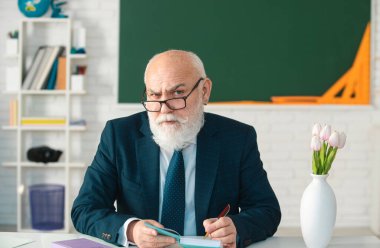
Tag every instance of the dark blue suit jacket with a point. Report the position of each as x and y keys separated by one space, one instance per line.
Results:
x=126 y=169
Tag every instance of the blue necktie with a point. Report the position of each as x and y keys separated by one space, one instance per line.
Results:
x=173 y=205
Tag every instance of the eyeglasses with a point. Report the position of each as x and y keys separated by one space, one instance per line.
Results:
x=172 y=103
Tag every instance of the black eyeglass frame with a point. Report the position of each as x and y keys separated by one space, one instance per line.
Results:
x=143 y=102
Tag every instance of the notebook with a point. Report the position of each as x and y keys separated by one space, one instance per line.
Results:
x=187 y=241
x=78 y=243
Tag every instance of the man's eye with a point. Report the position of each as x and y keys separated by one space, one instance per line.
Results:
x=178 y=92
x=156 y=95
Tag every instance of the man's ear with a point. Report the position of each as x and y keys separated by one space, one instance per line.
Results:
x=206 y=90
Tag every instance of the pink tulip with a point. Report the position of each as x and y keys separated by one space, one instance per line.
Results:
x=342 y=140
x=325 y=133
x=315 y=143
x=316 y=129
x=334 y=139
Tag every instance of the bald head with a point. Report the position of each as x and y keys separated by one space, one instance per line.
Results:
x=174 y=62
x=177 y=74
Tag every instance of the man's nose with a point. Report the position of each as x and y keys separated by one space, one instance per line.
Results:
x=165 y=109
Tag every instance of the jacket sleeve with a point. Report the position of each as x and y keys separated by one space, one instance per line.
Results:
x=93 y=210
x=260 y=212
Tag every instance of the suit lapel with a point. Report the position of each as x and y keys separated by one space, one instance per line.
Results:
x=206 y=170
x=149 y=161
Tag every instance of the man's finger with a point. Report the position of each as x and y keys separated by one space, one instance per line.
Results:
x=219 y=223
x=149 y=231
x=155 y=223
x=222 y=232
x=158 y=239
x=209 y=221
x=230 y=239
x=230 y=245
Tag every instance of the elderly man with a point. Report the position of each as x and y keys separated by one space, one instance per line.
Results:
x=176 y=166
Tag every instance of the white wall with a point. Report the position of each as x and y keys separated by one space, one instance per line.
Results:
x=283 y=131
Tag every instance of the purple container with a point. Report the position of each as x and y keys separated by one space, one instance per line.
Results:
x=47 y=203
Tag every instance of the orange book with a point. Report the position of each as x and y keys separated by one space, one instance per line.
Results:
x=13 y=112
x=61 y=74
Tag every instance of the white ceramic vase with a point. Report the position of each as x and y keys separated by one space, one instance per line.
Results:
x=318 y=212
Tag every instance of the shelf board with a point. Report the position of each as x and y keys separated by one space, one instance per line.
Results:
x=44 y=92
x=82 y=92
x=9 y=92
x=9 y=128
x=45 y=20
x=45 y=128
x=78 y=56
x=42 y=165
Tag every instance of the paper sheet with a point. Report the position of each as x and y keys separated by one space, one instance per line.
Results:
x=11 y=242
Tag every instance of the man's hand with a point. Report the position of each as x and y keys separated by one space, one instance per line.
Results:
x=145 y=237
x=222 y=229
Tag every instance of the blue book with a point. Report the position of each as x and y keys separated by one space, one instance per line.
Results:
x=187 y=241
x=53 y=76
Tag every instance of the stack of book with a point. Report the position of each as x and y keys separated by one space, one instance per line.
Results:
x=48 y=69
x=43 y=121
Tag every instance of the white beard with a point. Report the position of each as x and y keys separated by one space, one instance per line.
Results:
x=179 y=135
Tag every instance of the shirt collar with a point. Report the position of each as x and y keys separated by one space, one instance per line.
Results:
x=192 y=142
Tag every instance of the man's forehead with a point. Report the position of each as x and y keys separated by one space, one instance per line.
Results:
x=170 y=80
x=165 y=86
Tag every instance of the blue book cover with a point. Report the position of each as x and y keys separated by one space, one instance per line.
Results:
x=53 y=76
x=187 y=241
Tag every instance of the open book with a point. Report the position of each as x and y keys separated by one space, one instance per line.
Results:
x=187 y=241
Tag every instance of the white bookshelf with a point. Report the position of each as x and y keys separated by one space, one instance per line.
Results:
x=53 y=32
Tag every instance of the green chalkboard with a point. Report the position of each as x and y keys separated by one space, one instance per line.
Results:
x=252 y=49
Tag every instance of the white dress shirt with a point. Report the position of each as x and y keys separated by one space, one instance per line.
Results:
x=189 y=157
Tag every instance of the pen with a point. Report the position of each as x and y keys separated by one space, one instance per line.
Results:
x=222 y=214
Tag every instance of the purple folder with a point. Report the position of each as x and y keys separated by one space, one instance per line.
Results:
x=78 y=243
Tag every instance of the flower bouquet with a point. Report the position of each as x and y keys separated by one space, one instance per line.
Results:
x=325 y=146
x=318 y=202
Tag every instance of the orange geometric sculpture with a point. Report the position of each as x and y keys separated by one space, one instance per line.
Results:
x=351 y=88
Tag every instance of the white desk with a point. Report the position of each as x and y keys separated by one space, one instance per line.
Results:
x=43 y=240
x=336 y=242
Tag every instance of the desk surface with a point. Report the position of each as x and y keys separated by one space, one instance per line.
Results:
x=44 y=240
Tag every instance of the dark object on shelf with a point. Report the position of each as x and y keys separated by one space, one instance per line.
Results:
x=47 y=203
x=56 y=9
x=78 y=50
x=43 y=154
x=79 y=122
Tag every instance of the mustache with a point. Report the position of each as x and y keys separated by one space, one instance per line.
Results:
x=169 y=117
